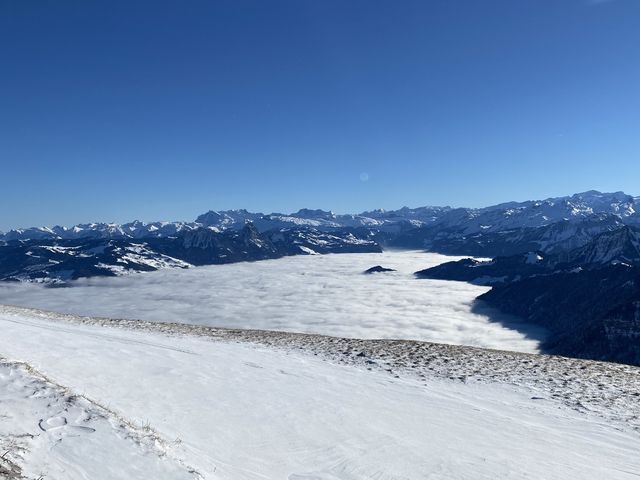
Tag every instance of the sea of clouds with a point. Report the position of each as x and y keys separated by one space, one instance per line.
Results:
x=325 y=294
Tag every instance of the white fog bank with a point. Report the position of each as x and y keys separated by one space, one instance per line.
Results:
x=325 y=294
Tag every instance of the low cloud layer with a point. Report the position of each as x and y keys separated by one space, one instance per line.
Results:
x=325 y=294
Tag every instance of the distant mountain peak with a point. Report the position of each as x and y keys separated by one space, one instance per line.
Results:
x=314 y=213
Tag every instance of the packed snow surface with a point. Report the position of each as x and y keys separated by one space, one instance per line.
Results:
x=242 y=410
x=326 y=294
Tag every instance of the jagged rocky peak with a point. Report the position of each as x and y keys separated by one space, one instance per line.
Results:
x=210 y=218
x=227 y=218
x=593 y=201
x=314 y=214
x=206 y=237
x=249 y=232
x=199 y=238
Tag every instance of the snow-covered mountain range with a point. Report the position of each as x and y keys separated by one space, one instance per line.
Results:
x=497 y=218
x=591 y=205
x=552 y=226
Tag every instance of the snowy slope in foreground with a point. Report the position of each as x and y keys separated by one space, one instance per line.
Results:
x=47 y=432
x=241 y=410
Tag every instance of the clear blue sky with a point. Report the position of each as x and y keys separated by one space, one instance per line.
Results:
x=122 y=110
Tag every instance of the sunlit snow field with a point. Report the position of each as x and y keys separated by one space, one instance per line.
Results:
x=325 y=294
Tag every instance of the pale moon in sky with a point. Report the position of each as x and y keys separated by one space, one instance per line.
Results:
x=364 y=176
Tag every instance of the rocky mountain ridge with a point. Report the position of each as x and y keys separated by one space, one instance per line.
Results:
x=425 y=226
x=58 y=261
x=589 y=297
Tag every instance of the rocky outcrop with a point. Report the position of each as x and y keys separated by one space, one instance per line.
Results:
x=591 y=314
x=378 y=269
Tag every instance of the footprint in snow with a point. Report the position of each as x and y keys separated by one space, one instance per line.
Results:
x=60 y=427
x=313 y=476
x=52 y=423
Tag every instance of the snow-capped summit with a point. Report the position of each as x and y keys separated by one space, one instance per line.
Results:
x=538 y=213
x=35 y=233
x=314 y=214
x=228 y=219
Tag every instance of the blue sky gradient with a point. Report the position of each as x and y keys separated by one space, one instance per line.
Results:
x=122 y=110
